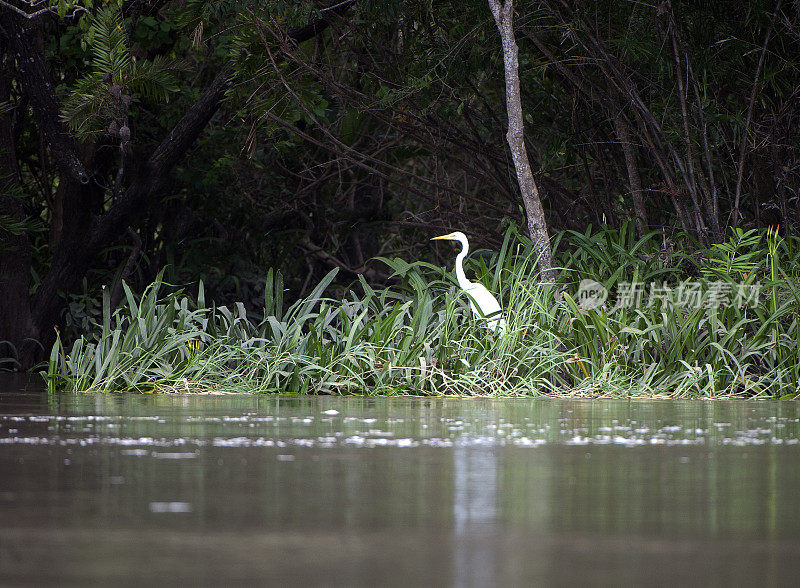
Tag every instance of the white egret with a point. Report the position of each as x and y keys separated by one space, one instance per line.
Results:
x=483 y=304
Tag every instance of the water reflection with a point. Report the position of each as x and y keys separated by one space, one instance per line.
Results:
x=474 y=514
x=360 y=491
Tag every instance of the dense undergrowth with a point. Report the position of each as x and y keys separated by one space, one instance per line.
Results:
x=720 y=322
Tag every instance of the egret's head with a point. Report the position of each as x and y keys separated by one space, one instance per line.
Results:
x=456 y=236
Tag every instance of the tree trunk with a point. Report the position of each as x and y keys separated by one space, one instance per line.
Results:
x=82 y=235
x=76 y=252
x=86 y=230
x=537 y=225
x=26 y=49
x=17 y=332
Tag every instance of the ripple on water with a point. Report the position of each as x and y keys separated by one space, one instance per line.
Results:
x=304 y=430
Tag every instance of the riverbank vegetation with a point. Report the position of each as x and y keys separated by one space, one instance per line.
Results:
x=417 y=336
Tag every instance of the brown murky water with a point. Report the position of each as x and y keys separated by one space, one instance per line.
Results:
x=242 y=490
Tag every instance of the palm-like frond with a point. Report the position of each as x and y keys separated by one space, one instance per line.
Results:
x=109 y=46
x=154 y=79
x=90 y=106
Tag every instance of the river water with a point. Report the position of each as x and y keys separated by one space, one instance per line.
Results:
x=274 y=490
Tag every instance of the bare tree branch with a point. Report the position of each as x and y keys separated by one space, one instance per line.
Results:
x=749 y=118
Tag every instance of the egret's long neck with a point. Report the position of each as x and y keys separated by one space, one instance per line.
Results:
x=460 y=275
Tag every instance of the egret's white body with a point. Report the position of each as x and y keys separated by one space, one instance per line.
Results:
x=483 y=304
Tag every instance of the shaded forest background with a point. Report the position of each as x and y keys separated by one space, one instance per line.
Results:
x=222 y=138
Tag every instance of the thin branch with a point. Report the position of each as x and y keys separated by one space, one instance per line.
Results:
x=749 y=117
x=338 y=146
x=41 y=11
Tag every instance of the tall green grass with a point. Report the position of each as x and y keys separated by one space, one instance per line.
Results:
x=706 y=349
x=419 y=337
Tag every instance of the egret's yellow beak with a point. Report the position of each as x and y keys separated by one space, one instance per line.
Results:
x=447 y=236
